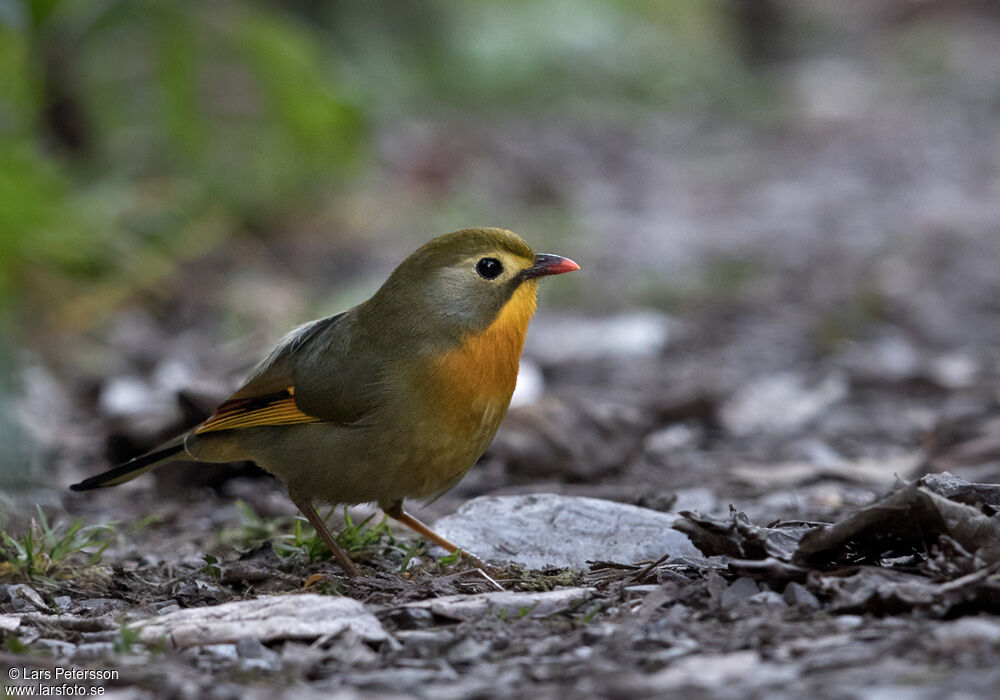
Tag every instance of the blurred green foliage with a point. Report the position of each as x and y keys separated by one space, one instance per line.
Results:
x=129 y=129
x=520 y=55
x=138 y=133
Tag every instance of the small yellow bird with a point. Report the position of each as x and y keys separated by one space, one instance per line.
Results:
x=396 y=398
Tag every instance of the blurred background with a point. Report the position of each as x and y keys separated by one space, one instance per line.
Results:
x=777 y=205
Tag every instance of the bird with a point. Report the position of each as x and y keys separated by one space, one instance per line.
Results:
x=393 y=399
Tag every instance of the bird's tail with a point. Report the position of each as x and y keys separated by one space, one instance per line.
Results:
x=132 y=468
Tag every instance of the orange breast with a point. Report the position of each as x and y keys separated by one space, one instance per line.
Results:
x=483 y=369
x=464 y=393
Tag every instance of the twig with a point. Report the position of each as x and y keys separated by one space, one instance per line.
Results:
x=640 y=575
x=487 y=577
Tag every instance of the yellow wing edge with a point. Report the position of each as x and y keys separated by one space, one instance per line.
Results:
x=278 y=408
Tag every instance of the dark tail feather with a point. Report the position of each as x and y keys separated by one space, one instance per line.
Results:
x=131 y=469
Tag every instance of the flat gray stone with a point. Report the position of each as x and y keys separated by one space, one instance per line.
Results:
x=506 y=604
x=545 y=529
x=305 y=616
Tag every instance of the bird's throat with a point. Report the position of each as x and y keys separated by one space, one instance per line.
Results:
x=482 y=369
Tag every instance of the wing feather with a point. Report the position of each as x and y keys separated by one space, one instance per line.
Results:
x=317 y=359
x=278 y=408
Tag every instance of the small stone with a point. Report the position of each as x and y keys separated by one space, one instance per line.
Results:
x=698 y=499
x=23 y=598
x=410 y=618
x=505 y=604
x=955 y=371
x=62 y=603
x=55 y=647
x=739 y=592
x=467 y=651
x=193 y=562
x=222 y=652
x=160 y=606
x=597 y=632
x=151 y=560
x=780 y=403
x=666 y=440
x=93 y=651
x=846 y=623
x=798 y=595
x=769 y=598
x=250 y=648
x=351 y=650
x=304 y=657
x=100 y=606
x=425 y=640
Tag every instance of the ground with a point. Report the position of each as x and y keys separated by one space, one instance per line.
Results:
x=816 y=330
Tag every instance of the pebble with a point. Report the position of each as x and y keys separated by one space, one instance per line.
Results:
x=739 y=592
x=467 y=651
x=250 y=648
x=780 y=403
x=223 y=652
x=846 y=623
x=161 y=605
x=798 y=595
x=98 y=607
x=769 y=598
x=20 y=597
x=410 y=618
x=430 y=640
x=505 y=604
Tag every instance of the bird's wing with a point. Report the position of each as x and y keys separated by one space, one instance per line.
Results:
x=310 y=377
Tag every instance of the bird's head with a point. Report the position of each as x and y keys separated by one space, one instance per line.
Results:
x=460 y=282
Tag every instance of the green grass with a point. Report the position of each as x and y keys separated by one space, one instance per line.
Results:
x=296 y=538
x=255 y=529
x=360 y=537
x=48 y=552
x=450 y=559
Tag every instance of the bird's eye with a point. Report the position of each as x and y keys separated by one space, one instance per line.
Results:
x=489 y=268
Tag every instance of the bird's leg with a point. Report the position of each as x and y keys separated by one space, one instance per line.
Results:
x=396 y=512
x=312 y=516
